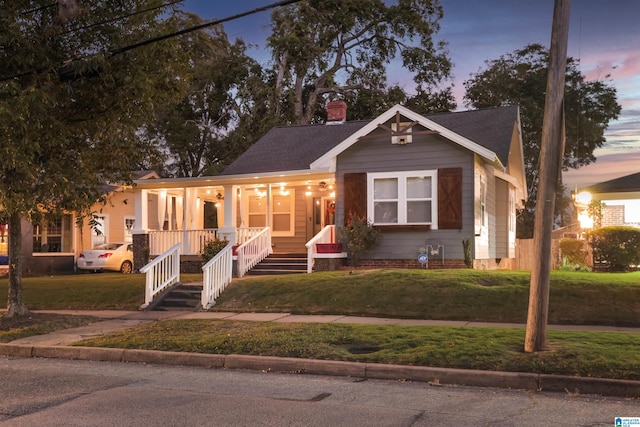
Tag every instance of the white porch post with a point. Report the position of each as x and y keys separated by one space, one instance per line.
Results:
x=162 y=206
x=170 y=216
x=228 y=230
x=180 y=213
x=269 y=217
x=141 y=212
x=140 y=232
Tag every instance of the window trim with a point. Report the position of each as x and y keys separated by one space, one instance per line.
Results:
x=483 y=202
x=128 y=232
x=97 y=239
x=41 y=231
x=270 y=211
x=402 y=200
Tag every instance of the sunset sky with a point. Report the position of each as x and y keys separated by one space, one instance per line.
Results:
x=604 y=36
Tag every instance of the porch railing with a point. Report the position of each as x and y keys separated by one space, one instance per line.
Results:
x=326 y=235
x=162 y=272
x=245 y=234
x=254 y=250
x=193 y=240
x=216 y=275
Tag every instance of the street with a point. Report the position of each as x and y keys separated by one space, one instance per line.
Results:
x=52 y=392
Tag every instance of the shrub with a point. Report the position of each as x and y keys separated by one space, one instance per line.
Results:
x=568 y=266
x=467 y=246
x=617 y=248
x=573 y=251
x=358 y=235
x=212 y=247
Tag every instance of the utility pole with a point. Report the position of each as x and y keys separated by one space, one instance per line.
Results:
x=551 y=155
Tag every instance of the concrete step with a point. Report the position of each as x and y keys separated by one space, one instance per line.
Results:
x=281 y=264
x=181 y=297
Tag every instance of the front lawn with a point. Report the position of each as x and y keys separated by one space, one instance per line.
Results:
x=85 y=291
x=592 y=354
x=470 y=295
x=489 y=296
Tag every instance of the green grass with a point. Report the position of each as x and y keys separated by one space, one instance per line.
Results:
x=469 y=295
x=39 y=324
x=490 y=296
x=594 y=354
x=86 y=291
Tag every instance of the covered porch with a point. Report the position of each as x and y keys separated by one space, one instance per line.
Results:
x=192 y=211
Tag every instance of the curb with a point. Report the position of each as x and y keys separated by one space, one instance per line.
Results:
x=430 y=375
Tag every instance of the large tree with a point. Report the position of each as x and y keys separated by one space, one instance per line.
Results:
x=324 y=47
x=520 y=78
x=71 y=99
x=192 y=134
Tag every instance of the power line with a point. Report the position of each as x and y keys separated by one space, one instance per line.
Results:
x=70 y=72
x=201 y=26
x=109 y=21
x=38 y=9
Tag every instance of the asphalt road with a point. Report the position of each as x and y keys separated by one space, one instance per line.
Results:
x=55 y=392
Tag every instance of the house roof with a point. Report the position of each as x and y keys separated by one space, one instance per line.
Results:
x=490 y=127
x=624 y=184
x=487 y=131
x=286 y=148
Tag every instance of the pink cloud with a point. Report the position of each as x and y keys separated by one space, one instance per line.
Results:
x=607 y=166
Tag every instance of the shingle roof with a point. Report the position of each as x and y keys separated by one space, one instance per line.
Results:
x=490 y=127
x=291 y=147
x=623 y=184
x=296 y=147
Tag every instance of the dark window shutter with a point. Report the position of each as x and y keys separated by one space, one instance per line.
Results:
x=450 y=198
x=355 y=194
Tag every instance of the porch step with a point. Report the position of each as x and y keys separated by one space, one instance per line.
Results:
x=185 y=297
x=280 y=264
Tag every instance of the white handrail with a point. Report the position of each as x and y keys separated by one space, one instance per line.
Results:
x=326 y=235
x=245 y=234
x=217 y=274
x=192 y=240
x=254 y=250
x=162 y=272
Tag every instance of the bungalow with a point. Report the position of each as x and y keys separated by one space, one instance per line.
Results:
x=424 y=181
x=55 y=245
x=620 y=198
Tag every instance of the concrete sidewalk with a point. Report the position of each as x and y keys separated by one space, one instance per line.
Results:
x=57 y=345
x=115 y=320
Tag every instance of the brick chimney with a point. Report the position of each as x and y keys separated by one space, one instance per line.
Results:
x=336 y=112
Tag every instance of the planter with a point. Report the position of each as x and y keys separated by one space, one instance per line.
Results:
x=328 y=248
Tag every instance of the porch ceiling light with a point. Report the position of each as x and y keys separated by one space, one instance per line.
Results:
x=583 y=198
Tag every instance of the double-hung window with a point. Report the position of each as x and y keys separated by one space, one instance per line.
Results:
x=402 y=198
x=279 y=213
x=53 y=236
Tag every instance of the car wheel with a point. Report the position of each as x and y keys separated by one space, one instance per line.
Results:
x=126 y=267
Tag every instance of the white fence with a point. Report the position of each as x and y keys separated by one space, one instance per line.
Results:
x=162 y=272
x=191 y=241
x=254 y=250
x=217 y=275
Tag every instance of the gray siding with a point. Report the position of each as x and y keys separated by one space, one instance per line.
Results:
x=426 y=152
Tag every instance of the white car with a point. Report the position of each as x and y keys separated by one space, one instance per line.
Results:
x=108 y=256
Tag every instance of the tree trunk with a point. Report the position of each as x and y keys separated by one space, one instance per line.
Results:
x=551 y=154
x=15 y=305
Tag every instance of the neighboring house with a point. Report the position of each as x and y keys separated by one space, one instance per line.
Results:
x=421 y=180
x=55 y=245
x=621 y=200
